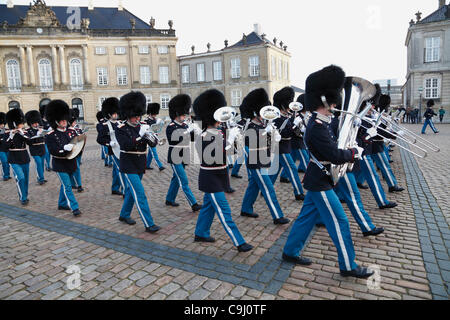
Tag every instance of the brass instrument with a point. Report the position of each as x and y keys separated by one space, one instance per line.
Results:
x=270 y=114
x=228 y=116
x=79 y=142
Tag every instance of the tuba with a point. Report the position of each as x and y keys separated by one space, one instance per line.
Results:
x=356 y=90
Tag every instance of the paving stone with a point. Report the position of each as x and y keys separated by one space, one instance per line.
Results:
x=200 y=294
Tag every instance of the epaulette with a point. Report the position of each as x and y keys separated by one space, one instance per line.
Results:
x=172 y=124
x=50 y=132
x=121 y=125
x=318 y=121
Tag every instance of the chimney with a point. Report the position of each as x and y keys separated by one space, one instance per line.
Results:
x=441 y=3
x=10 y=4
x=120 y=6
x=257 y=28
x=91 y=5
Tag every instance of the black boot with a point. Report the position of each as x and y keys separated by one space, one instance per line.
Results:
x=363 y=187
x=374 y=232
x=206 y=240
x=245 y=247
x=360 y=273
x=396 y=189
x=128 y=221
x=196 y=207
x=281 y=221
x=152 y=229
x=249 y=215
x=297 y=260
x=390 y=205
x=172 y=204
x=285 y=180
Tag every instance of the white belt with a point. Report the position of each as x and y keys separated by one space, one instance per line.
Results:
x=61 y=158
x=213 y=168
x=286 y=139
x=18 y=149
x=260 y=149
x=324 y=163
x=134 y=152
x=179 y=146
x=38 y=144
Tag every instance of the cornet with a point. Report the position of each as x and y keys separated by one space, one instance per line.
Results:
x=296 y=107
x=228 y=115
x=270 y=114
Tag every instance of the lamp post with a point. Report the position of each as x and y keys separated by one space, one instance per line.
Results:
x=420 y=104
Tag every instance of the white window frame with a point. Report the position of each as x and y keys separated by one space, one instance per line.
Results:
x=144 y=49
x=45 y=75
x=253 y=66
x=13 y=75
x=145 y=75
x=201 y=76
x=149 y=98
x=274 y=66
x=280 y=69
x=100 y=50
x=122 y=76
x=432 y=88
x=163 y=49
x=185 y=73
x=165 y=99
x=235 y=68
x=76 y=74
x=432 y=49
x=100 y=101
x=120 y=50
x=236 y=97
x=164 y=77
x=217 y=71
x=102 y=76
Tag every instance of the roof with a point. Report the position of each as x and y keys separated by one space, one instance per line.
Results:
x=100 y=18
x=252 y=39
x=441 y=14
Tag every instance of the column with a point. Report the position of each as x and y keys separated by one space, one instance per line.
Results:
x=131 y=68
x=23 y=66
x=56 y=78
x=62 y=60
x=87 y=76
x=31 y=66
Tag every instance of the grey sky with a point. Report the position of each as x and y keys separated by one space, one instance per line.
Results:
x=365 y=37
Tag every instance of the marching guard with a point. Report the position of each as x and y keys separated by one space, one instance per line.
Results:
x=429 y=114
x=152 y=112
x=6 y=168
x=46 y=126
x=36 y=143
x=73 y=127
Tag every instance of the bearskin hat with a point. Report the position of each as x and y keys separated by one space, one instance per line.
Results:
x=153 y=108
x=33 y=116
x=109 y=107
x=42 y=110
x=179 y=105
x=2 y=118
x=283 y=98
x=74 y=115
x=301 y=99
x=254 y=102
x=207 y=104
x=327 y=82
x=133 y=104
x=56 y=111
x=430 y=103
x=99 y=116
x=14 y=117
x=383 y=103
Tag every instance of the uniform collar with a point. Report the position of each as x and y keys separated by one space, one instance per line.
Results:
x=323 y=118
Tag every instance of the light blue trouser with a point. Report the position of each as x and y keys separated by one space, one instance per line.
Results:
x=359 y=176
x=135 y=194
x=118 y=179
x=66 y=196
x=386 y=152
x=153 y=153
x=349 y=192
x=429 y=122
x=48 y=164
x=326 y=205
x=259 y=180
x=103 y=152
x=386 y=170
x=180 y=179
x=21 y=174
x=5 y=165
x=371 y=175
x=298 y=154
x=108 y=158
x=286 y=162
x=217 y=203
x=75 y=178
x=237 y=165
x=39 y=161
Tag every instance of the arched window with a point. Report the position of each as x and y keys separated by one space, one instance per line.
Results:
x=13 y=105
x=13 y=75
x=45 y=75
x=77 y=103
x=76 y=76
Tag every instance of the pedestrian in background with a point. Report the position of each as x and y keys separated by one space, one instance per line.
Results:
x=441 y=114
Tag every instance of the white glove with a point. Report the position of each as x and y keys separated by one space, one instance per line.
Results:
x=360 y=152
x=190 y=128
x=372 y=132
x=11 y=135
x=232 y=135
x=269 y=128
x=144 y=129
x=277 y=136
x=297 y=121
x=113 y=144
x=197 y=130
x=303 y=129
x=68 y=147
x=159 y=121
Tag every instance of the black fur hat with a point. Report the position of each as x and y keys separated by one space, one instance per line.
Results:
x=283 y=98
x=133 y=104
x=153 y=108
x=14 y=117
x=99 y=116
x=179 y=105
x=327 y=82
x=74 y=115
x=206 y=105
x=56 y=111
x=384 y=103
x=42 y=110
x=430 y=103
x=254 y=102
x=109 y=107
x=301 y=99
x=2 y=118
x=33 y=116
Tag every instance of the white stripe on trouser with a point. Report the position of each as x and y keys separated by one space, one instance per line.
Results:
x=222 y=218
x=64 y=189
x=181 y=185
x=355 y=203
x=120 y=175
x=385 y=168
x=338 y=232
x=302 y=158
x=374 y=180
x=136 y=200
x=267 y=194
x=294 y=181
x=17 y=183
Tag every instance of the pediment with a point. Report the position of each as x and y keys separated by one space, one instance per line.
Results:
x=39 y=15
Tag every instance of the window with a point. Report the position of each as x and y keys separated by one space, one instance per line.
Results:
x=143 y=50
x=286 y=71
x=102 y=76
x=77 y=103
x=149 y=99
x=45 y=75
x=145 y=75
x=236 y=96
x=13 y=75
x=432 y=88
x=200 y=72
x=100 y=50
x=122 y=76
x=100 y=101
x=280 y=69
x=76 y=77
x=163 y=49
x=121 y=50
x=185 y=70
x=164 y=74
x=217 y=70
x=432 y=49
x=13 y=105
x=274 y=67
x=165 y=98
x=235 y=68
x=253 y=66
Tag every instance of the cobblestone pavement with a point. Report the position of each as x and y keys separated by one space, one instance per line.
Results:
x=116 y=261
